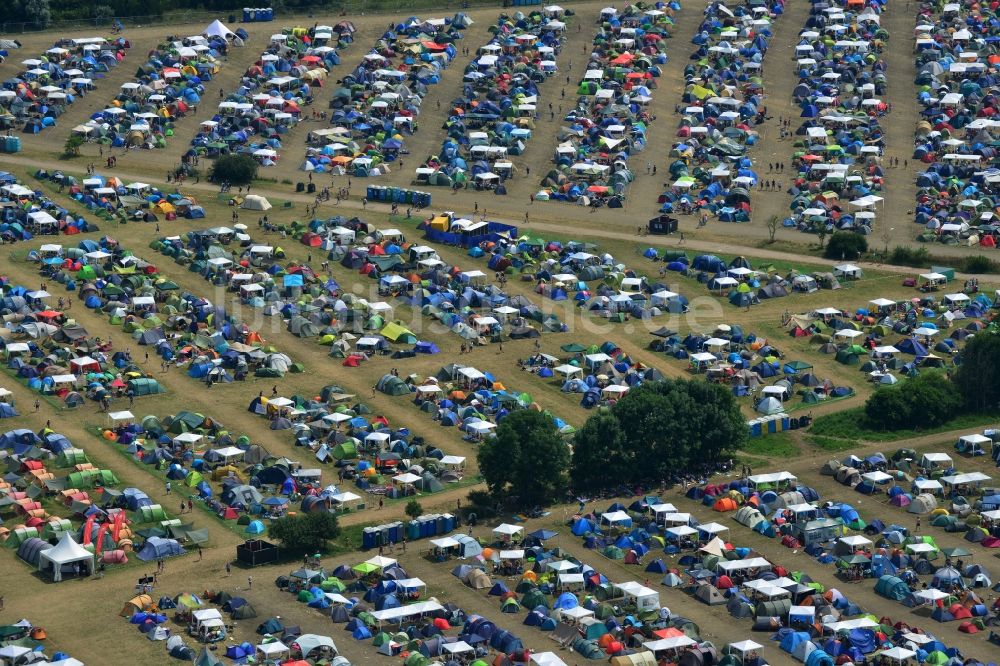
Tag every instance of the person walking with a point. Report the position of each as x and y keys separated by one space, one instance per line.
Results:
x=229 y=569
x=249 y=582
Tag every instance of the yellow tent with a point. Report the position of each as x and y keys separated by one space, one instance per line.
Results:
x=137 y=604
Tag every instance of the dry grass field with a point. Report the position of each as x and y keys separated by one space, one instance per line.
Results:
x=81 y=616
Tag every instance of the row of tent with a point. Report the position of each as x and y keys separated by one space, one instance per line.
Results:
x=865 y=339
x=580 y=608
x=102 y=520
x=467 y=398
x=136 y=201
x=602 y=374
x=749 y=364
x=710 y=166
x=931 y=485
x=577 y=271
x=799 y=610
x=415 y=275
x=40 y=93
x=822 y=532
x=340 y=433
x=954 y=141
x=839 y=141
x=269 y=100
x=55 y=355
x=378 y=102
x=610 y=121
x=164 y=89
x=236 y=479
x=147 y=306
x=31 y=213
x=492 y=119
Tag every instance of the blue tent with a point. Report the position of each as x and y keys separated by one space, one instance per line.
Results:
x=158 y=548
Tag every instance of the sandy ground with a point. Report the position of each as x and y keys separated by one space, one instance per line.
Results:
x=106 y=640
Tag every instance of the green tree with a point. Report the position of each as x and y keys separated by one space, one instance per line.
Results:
x=924 y=401
x=773 y=223
x=72 y=146
x=235 y=169
x=821 y=234
x=845 y=245
x=662 y=428
x=600 y=452
x=978 y=378
x=38 y=12
x=527 y=461
x=413 y=509
x=305 y=531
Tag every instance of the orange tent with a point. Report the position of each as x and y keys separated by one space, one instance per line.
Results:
x=725 y=504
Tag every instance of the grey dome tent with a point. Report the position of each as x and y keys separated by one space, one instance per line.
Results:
x=922 y=503
x=830 y=468
x=709 y=594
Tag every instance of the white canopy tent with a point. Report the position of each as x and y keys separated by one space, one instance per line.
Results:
x=66 y=553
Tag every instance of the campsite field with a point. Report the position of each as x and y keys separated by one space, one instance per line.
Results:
x=82 y=615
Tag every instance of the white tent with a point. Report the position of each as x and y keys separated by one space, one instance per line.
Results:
x=65 y=553
x=256 y=202
x=218 y=29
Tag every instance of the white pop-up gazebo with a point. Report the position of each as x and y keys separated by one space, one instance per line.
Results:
x=66 y=553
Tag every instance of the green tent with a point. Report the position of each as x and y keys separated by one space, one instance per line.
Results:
x=71 y=457
x=54 y=528
x=345 y=450
x=392 y=385
x=151 y=513
x=185 y=422
x=847 y=358
x=145 y=386
x=534 y=599
x=332 y=585
x=396 y=333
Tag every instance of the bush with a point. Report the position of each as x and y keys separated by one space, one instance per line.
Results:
x=979 y=264
x=925 y=401
x=305 y=531
x=845 y=245
x=908 y=256
x=234 y=169
x=413 y=509
x=978 y=377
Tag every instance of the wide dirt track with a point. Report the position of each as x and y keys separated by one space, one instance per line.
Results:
x=82 y=615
